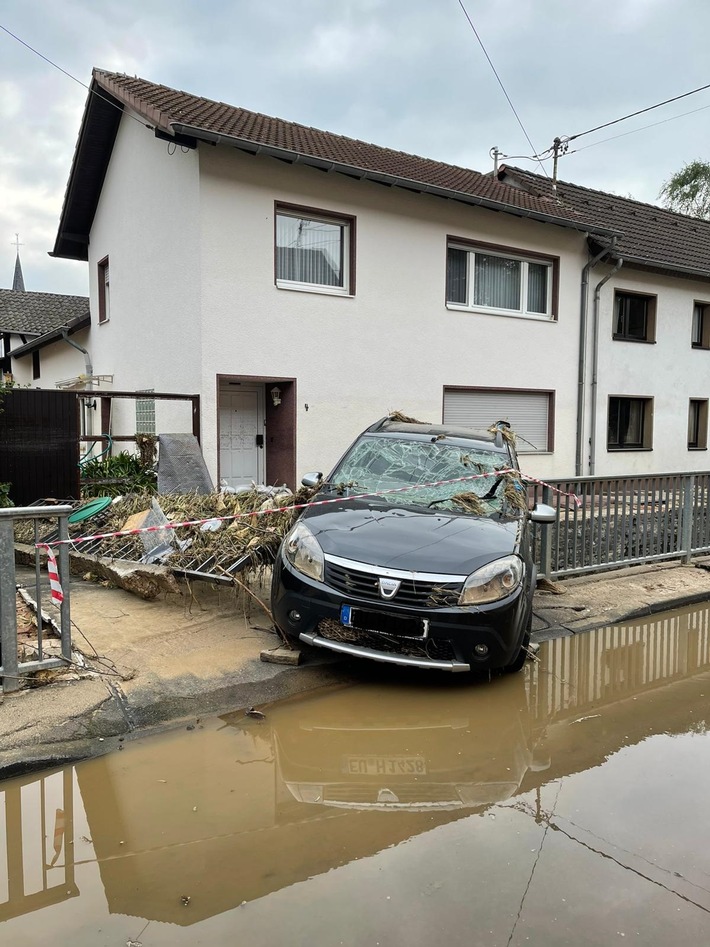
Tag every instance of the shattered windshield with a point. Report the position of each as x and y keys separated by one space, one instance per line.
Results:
x=385 y=463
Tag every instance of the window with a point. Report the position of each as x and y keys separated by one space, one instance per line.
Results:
x=314 y=251
x=634 y=317
x=104 y=294
x=700 y=332
x=145 y=414
x=630 y=424
x=481 y=276
x=698 y=424
x=35 y=365
x=529 y=413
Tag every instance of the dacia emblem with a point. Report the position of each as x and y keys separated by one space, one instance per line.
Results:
x=389 y=587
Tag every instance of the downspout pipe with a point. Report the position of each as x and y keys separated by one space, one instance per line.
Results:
x=595 y=361
x=80 y=348
x=582 y=366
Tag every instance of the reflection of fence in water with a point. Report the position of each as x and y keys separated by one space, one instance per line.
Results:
x=620 y=661
x=36 y=829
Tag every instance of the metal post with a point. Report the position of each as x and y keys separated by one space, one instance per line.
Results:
x=64 y=567
x=8 y=606
x=686 y=539
x=546 y=538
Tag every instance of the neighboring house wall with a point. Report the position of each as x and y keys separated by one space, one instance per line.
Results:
x=57 y=362
x=668 y=370
x=395 y=344
x=147 y=225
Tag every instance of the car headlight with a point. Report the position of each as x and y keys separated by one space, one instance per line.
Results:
x=303 y=551
x=493 y=581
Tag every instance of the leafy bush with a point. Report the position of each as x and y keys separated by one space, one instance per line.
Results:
x=5 y=495
x=114 y=476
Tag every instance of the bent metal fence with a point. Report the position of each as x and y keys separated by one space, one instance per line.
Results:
x=12 y=669
x=622 y=521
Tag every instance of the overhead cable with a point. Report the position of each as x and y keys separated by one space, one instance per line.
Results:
x=500 y=81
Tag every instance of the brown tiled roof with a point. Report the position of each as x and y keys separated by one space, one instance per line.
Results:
x=37 y=313
x=174 y=111
x=651 y=236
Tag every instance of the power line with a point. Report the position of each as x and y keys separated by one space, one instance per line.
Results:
x=500 y=81
x=642 y=128
x=649 y=108
x=70 y=76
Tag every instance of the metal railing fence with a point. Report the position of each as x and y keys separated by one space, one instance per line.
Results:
x=11 y=668
x=622 y=521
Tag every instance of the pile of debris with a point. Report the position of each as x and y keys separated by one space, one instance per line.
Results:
x=240 y=532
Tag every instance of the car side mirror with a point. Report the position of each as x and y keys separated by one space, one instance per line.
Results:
x=542 y=513
x=312 y=479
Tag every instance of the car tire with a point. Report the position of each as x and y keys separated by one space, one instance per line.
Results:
x=518 y=663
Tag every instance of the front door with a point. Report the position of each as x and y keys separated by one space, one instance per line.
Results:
x=241 y=436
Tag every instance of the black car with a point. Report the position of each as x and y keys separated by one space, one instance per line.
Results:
x=435 y=572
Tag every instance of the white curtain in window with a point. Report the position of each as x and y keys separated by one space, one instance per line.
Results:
x=309 y=251
x=497 y=282
x=537 y=287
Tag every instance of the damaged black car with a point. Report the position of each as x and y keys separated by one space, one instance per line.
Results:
x=435 y=571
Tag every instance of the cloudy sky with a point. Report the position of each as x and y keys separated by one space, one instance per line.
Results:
x=407 y=74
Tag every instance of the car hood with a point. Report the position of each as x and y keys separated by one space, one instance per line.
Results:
x=413 y=540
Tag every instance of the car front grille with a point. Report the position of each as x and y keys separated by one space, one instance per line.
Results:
x=435 y=649
x=359 y=584
x=405 y=794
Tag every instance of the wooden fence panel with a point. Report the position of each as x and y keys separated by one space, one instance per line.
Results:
x=39 y=444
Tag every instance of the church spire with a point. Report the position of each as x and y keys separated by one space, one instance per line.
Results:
x=18 y=282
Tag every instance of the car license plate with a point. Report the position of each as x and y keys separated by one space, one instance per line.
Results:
x=384 y=765
x=403 y=626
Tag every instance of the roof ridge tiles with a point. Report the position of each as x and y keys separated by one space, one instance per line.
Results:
x=593 y=190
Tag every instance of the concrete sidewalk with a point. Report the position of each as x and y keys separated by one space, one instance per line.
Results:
x=181 y=657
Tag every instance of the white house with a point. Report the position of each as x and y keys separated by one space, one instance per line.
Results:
x=305 y=284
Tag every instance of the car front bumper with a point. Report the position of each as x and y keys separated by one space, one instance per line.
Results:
x=454 y=640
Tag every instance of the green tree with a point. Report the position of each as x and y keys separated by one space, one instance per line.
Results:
x=688 y=190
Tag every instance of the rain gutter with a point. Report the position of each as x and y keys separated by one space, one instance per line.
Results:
x=294 y=157
x=80 y=348
x=595 y=360
x=582 y=365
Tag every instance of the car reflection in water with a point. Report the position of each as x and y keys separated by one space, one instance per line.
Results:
x=407 y=749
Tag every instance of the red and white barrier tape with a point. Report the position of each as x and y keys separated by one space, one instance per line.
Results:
x=302 y=506
x=57 y=594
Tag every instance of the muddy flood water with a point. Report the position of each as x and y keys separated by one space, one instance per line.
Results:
x=567 y=805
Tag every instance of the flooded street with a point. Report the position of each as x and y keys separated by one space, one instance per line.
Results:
x=564 y=805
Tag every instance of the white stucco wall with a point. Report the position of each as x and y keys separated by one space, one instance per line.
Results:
x=57 y=362
x=147 y=224
x=670 y=371
x=394 y=345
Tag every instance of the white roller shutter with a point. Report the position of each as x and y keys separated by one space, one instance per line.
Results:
x=527 y=412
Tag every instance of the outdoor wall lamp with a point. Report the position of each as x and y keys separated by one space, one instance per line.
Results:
x=276 y=395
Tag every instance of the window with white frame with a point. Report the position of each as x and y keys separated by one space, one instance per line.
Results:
x=314 y=250
x=530 y=413
x=492 y=278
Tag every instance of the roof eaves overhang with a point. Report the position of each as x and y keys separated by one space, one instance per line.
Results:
x=658 y=266
x=81 y=322
x=102 y=115
x=323 y=164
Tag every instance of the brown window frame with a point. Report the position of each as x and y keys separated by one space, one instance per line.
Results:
x=104 y=280
x=698 y=425
x=651 y=301
x=514 y=253
x=703 y=336
x=347 y=221
x=646 y=440
x=522 y=446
